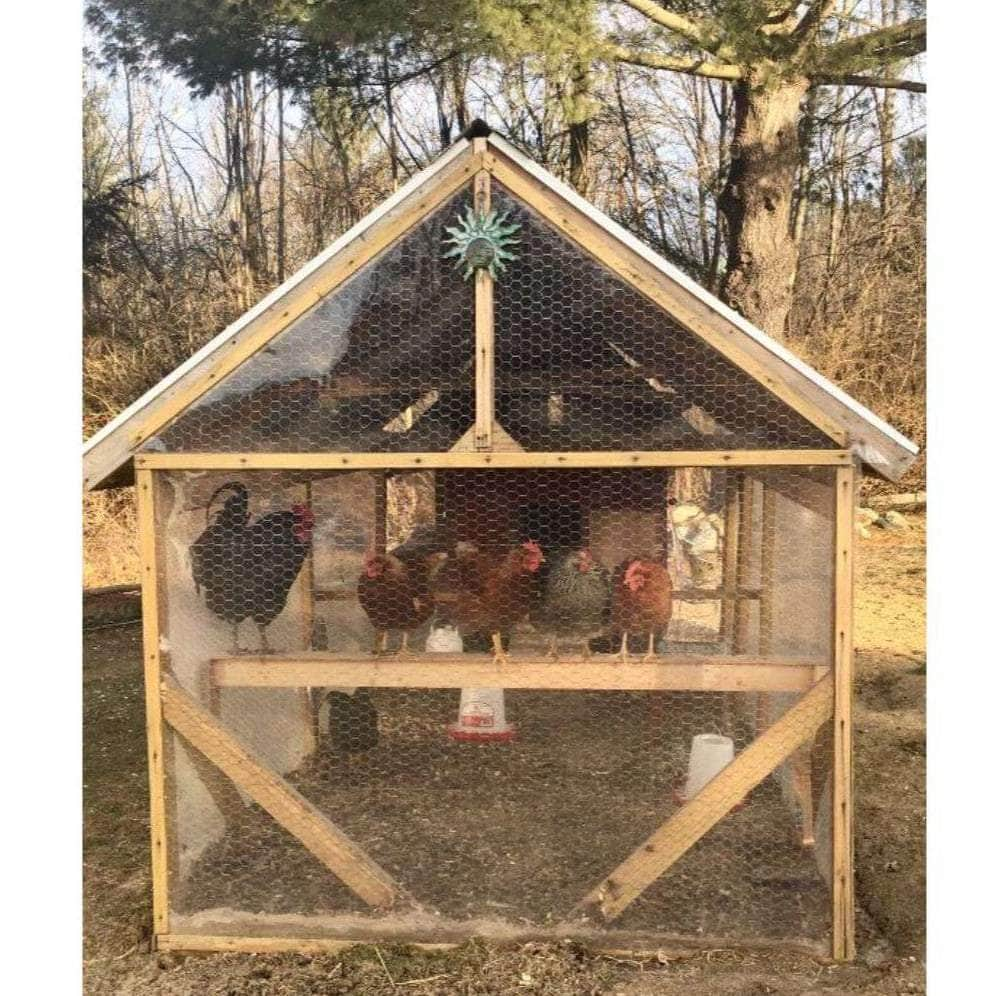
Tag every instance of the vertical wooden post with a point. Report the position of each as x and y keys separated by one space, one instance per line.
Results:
x=380 y=512
x=144 y=485
x=308 y=622
x=800 y=762
x=843 y=807
x=484 y=325
x=745 y=557
x=731 y=545
x=765 y=600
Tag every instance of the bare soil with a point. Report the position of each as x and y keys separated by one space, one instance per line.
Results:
x=890 y=832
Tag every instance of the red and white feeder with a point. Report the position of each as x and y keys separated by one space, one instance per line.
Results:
x=482 y=710
x=482 y=716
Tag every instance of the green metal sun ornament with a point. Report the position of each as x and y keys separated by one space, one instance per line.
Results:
x=481 y=242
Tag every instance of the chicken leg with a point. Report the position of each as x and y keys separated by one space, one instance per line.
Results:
x=554 y=651
x=623 y=655
x=651 y=653
x=500 y=656
x=380 y=642
x=404 y=650
x=236 y=649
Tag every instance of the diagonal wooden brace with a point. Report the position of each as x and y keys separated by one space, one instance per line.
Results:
x=344 y=858
x=699 y=815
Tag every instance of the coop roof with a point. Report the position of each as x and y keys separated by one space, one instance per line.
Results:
x=109 y=453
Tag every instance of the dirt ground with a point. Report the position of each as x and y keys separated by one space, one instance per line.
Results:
x=890 y=833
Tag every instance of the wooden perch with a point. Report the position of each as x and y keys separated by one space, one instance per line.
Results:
x=344 y=858
x=698 y=816
x=571 y=671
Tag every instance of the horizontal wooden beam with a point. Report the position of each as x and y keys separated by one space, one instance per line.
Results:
x=497 y=461
x=686 y=595
x=273 y=937
x=699 y=815
x=343 y=857
x=314 y=669
x=274 y=944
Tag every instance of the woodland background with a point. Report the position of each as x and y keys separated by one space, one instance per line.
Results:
x=226 y=143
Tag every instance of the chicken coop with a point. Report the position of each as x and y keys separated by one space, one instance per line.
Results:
x=497 y=581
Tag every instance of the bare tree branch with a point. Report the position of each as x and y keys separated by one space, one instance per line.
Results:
x=689 y=30
x=873 y=49
x=810 y=22
x=676 y=64
x=881 y=82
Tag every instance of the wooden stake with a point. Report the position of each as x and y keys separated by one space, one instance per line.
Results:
x=144 y=486
x=843 y=809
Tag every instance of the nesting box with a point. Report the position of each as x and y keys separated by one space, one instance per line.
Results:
x=420 y=430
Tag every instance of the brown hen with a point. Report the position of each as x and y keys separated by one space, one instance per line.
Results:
x=641 y=602
x=481 y=594
x=395 y=596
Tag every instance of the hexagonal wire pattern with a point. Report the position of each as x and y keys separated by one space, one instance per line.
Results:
x=490 y=823
x=508 y=832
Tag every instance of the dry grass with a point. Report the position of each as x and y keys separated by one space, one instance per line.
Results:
x=110 y=539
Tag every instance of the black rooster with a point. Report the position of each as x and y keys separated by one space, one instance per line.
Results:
x=247 y=569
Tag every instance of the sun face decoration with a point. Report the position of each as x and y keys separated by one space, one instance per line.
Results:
x=481 y=241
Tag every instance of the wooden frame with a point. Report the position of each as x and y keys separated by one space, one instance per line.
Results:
x=469 y=459
x=344 y=858
x=638 y=273
x=488 y=446
x=843 y=646
x=825 y=694
x=145 y=492
x=715 y=674
x=699 y=815
x=108 y=452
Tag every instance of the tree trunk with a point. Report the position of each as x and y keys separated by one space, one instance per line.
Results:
x=579 y=110
x=757 y=199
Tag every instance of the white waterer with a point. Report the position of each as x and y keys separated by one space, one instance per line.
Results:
x=711 y=752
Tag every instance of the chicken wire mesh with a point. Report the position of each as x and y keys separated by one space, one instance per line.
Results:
x=585 y=362
x=484 y=812
x=385 y=362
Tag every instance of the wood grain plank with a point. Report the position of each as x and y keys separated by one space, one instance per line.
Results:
x=676 y=673
x=843 y=808
x=145 y=492
x=497 y=460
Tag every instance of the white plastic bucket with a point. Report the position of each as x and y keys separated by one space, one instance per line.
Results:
x=711 y=752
